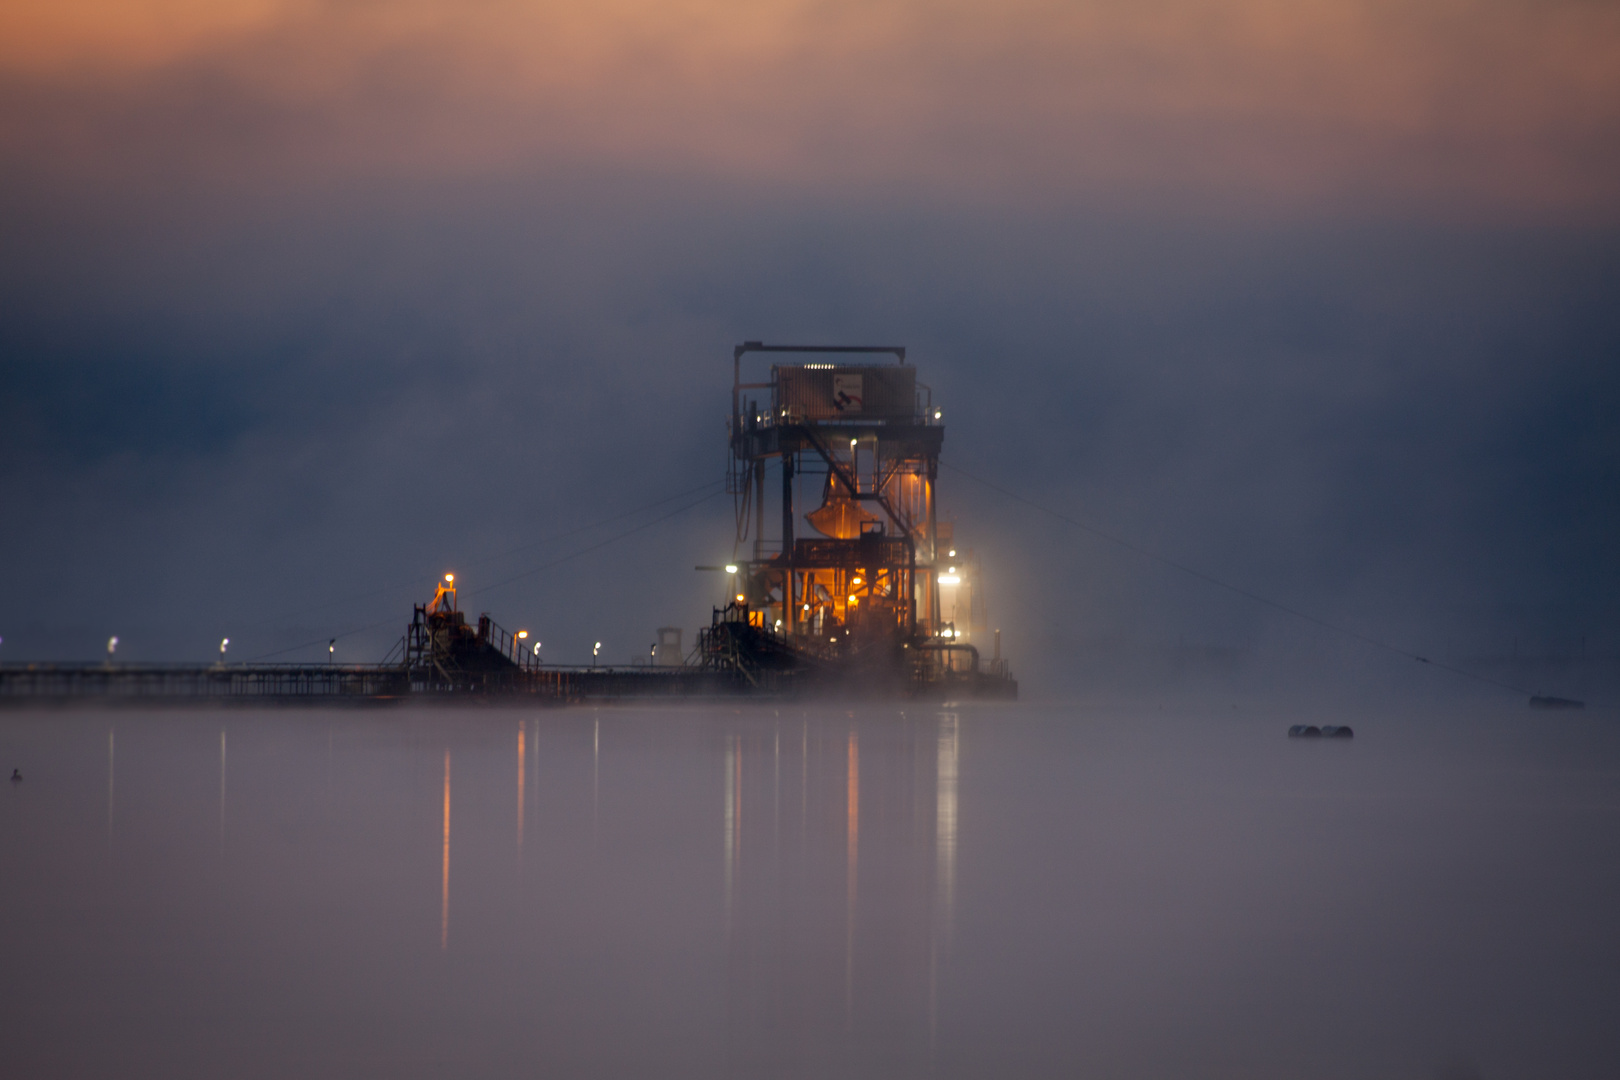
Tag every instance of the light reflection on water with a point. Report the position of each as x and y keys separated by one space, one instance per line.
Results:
x=111 y=774
x=851 y=870
x=1012 y=891
x=222 y=785
x=444 y=900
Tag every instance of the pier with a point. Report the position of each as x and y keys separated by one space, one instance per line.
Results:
x=881 y=603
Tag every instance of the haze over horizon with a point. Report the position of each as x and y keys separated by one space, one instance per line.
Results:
x=1278 y=348
x=306 y=303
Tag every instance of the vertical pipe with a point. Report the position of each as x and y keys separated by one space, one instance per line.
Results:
x=788 y=600
x=759 y=509
x=933 y=543
x=928 y=506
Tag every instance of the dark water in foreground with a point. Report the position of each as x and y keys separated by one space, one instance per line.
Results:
x=1006 y=891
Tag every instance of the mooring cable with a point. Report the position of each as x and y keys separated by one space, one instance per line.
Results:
x=595 y=546
x=527 y=573
x=417 y=581
x=1238 y=589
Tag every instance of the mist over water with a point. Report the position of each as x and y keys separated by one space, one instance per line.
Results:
x=1123 y=891
x=306 y=304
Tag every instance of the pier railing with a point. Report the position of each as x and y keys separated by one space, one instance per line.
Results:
x=22 y=685
x=514 y=648
x=286 y=682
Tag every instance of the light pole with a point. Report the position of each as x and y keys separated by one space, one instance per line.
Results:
x=521 y=635
x=595 y=649
x=223 y=642
x=331 y=651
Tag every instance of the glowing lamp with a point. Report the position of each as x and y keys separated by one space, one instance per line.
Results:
x=731 y=568
x=949 y=579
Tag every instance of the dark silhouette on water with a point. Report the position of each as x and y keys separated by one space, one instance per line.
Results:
x=1311 y=731
x=16 y=776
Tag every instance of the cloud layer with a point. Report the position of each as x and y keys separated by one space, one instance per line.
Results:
x=1460 y=108
x=304 y=304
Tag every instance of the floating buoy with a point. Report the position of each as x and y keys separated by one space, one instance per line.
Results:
x=1338 y=733
x=1304 y=731
x=16 y=775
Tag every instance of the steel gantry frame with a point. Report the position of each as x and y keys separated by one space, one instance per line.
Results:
x=873 y=578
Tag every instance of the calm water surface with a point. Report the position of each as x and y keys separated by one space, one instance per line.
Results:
x=1006 y=891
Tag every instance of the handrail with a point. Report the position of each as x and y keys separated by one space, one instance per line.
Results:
x=506 y=643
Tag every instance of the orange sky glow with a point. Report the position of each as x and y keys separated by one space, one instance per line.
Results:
x=1488 y=106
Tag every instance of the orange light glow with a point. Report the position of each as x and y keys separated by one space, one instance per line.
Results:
x=853 y=808
x=1509 y=103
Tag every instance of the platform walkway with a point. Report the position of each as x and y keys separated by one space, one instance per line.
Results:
x=321 y=684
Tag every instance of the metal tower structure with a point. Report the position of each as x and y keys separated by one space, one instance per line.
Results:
x=867 y=575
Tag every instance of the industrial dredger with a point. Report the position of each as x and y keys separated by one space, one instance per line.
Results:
x=876 y=600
